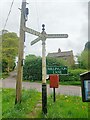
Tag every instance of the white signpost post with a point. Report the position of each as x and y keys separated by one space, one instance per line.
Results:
x=43 y=36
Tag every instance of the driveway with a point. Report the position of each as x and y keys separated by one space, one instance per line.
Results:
x=10 y=82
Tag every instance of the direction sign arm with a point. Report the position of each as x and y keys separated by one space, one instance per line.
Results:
x=35 y=41
x=57 y=35
x=29 y=30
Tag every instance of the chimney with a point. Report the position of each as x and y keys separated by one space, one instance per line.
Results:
x=59 y=50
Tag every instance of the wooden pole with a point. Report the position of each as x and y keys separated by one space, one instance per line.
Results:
x=20 y=55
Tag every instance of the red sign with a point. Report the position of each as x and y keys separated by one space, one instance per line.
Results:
x=54 y=81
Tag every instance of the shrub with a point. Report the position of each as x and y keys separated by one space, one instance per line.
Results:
x=32 y=68
x=73 y=75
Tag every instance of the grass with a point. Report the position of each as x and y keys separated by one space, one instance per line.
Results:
x=64 y=107
x=75 y=83
x=0 y=103
x=67 y=107
x=10 y=110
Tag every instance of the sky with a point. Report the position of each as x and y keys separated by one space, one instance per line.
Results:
x=59 y=16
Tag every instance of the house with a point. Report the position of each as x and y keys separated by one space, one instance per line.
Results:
x=66 y=55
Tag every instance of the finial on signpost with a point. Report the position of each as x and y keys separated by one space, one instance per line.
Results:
x=43 y=27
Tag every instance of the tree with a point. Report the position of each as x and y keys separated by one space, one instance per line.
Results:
x=50 y=61
x=83 y=59
x=87 y=46
x=9 y=49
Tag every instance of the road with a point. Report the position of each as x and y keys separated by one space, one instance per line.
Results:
x=10 y=82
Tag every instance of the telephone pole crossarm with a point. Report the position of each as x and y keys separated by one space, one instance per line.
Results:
x=31 y=31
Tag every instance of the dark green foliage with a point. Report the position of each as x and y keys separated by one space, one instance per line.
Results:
x=87 y=46
x=73 y=75
x=54 y=62
x=32 y=68
x=4 y=65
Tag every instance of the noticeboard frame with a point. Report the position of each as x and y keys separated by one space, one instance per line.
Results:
x=85 y=78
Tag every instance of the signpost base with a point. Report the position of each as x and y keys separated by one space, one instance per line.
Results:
x=44 y=98
x=54 y=98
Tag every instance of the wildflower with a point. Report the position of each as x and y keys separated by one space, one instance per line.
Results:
x=65 y=96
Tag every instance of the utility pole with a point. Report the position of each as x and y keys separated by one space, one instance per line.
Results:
x=20 y=54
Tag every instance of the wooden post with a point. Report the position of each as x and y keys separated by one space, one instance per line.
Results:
x=20 y=55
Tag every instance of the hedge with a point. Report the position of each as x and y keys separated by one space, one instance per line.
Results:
x=32 y=69
x=73 y=75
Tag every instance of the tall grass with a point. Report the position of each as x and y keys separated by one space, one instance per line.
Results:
x=67 y=107
x=64 y=107
x=10 y=110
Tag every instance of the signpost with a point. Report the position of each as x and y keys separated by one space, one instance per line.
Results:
x=57 y=70
x=43 y=36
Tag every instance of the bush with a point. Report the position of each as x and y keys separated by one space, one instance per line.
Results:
x=32 y=68
x=73 y=75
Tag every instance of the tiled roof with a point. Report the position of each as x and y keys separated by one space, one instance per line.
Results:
x=60 y=54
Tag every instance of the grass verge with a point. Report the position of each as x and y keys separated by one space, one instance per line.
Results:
x=75 y=83
x=66 y=107
x=10 y=110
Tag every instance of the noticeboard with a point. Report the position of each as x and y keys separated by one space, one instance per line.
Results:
x=87 y=90
x=85 y=84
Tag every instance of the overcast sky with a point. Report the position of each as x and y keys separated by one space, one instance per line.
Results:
x=59 y=16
